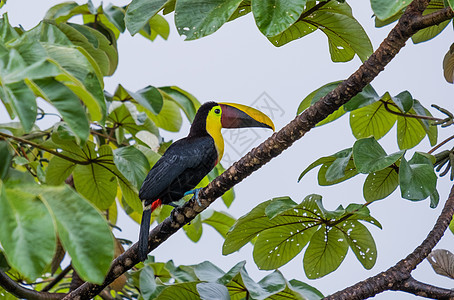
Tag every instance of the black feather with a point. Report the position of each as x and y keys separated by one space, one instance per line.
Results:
x=144 y=232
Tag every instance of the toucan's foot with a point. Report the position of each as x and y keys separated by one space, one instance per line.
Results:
x=194 y=192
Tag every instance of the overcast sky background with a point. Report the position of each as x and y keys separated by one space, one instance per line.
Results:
x=238 y=64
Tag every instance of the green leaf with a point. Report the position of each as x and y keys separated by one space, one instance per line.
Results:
x=139 y=12
x=79 y=224
x=156 y=26
x=126 y=115
x=220 y=221
x=434 y=199
x=367 y=96
x=274 y=16
x=316 y=95
x=410 y=132
x=94 y=181
x=148 y=286
x=187 y=291
x=360 y=241
x=198 y=19
x=26 y=231
x=116 y=15
x=169 y=117
x=305 y=290
x=268 y=286
x=417 y=177
x=384 y=9
x=428 y=33
x=101 y=49
x=7 y=32
x=150 y=98
x=67 y=104
x=194 y=229
x=380 y=184
x=345 y=35
x=431 y=130
x=5 y=158
x=246 y=228
x=23 y=101
x=279 y=205
x=370 y=157
x=325 y=253
x=58 y=170
x=318 y=162
x=371 y=120
x=211 y=290
x=207 y=271
x=188 y=103
x=404 y=101
x=336 y=169
x=132 y=164
x=349 y=172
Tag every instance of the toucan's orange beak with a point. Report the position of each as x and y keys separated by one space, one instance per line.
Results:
x=239 y=116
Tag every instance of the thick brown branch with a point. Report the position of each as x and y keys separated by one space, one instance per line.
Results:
x=418 y=288
x=274 y=145
x=398 y=275
x=21 y=292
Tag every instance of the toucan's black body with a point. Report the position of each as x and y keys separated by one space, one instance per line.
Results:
x=187 y=161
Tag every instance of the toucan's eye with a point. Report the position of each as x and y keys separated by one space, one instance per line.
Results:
x=217 y=111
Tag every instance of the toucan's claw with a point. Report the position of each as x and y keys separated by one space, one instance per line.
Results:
x=195 y=192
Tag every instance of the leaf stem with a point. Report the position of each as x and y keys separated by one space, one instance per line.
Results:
x=388 y=109
x=441 y=144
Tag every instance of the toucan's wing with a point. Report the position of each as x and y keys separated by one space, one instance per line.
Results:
x=180 y=156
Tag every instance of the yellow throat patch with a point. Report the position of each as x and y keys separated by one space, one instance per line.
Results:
x=213 y=127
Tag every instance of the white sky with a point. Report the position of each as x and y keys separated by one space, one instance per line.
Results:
x=238 y=64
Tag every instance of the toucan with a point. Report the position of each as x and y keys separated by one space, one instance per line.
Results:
x=187 y=161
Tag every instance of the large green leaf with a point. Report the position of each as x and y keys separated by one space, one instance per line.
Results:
x=274 y=16
x=140 y=11
x=169 y=117
x=7 y=32
x=67 y=104
x=417 y=178
x=196 y=19
x=220 y=221
x=194 y=229
x=26 y=231
x=186 y=290
x=157 y=25
x=132 y=164
x=384 y=9
x=349 y=172
x=58 y=170
x=211 y=290
x=345 y=35
x=410 y=132
x=94 y=181
x=103 y=51
x=82 y=230
x=370 y=157
x=21 y=98
x=188 y=103
x=371 y=120
x=380 y=184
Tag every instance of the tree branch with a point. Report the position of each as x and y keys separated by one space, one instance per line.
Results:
x=408 y=24
x=397 y=277
x=21 y=292
x=418 y=288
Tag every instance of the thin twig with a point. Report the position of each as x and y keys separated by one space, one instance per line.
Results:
x=441 y=144
x=58 y=278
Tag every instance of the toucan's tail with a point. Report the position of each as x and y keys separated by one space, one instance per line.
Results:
x=145 y=229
